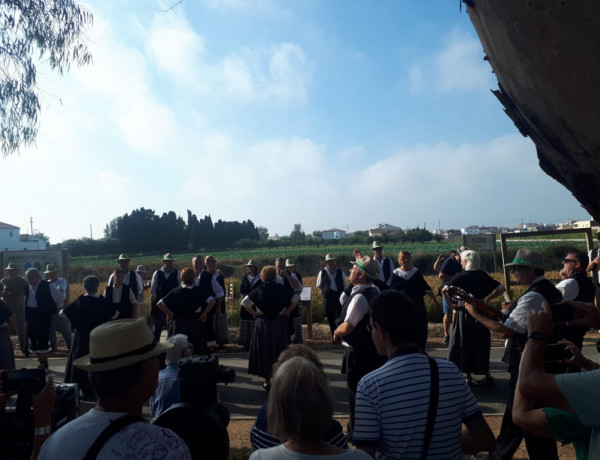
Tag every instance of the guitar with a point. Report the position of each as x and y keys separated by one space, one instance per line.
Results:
x=457 y=293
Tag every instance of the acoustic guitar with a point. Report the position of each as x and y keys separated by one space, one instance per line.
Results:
x=456 y=293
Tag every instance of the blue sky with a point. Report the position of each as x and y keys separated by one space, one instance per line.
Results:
x=326 y=113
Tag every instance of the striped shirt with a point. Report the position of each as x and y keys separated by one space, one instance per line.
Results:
x=392 y=404
x=262 y=439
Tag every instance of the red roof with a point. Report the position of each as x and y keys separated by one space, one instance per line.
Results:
x=3 y=225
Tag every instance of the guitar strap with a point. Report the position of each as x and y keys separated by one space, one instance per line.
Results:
x=113 y=428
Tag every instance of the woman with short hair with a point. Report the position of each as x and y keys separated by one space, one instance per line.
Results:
x=187 y=308
x=299 y=413
x=270 y=304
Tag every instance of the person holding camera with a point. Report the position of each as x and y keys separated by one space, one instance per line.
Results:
x=528 y=269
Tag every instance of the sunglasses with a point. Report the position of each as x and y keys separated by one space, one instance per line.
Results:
x=567 y=261
x=517 y=268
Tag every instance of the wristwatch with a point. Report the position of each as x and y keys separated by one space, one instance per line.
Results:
x=537 y=335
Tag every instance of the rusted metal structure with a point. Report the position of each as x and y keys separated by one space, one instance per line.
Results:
x=545 y=56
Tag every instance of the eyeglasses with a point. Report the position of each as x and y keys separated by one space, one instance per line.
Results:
x=371 y=327
x=567 y=261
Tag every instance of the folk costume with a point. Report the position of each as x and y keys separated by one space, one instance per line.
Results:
x=249 y=283
x=162 y=283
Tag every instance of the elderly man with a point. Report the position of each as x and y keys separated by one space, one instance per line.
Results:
x=164 y=280
x=130 y=277
x=385 y=264
x=59 y=323
x=206 y=279
x=331 y=282
x=397 y=414
x=42 y=300
x=528 y=269
x=123 y=365
x=360 y=355
x=14 y=296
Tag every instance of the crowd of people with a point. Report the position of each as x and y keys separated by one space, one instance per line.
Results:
x=402 y=403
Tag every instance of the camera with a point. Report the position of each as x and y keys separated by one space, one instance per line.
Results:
x=198 y=378
x=16 y=424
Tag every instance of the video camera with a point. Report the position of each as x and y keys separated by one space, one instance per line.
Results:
x=16 y=424
x=199 y=419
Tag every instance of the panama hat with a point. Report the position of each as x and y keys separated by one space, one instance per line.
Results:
x=123 y=257
x=528 y=258
x=251 y=263
x=329 y=257
x=368 y=266
x=11 y=266
x=376 y=245
x=141 y=269
x=168 y=256
x=120 y=343
x=289 y=263
x=50 y=268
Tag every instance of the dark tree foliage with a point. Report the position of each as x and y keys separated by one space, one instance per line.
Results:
x=52 y=30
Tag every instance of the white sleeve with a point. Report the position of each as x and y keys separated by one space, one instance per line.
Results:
x=358 y=308
x=569 y=288
x=154 y=283
x=530 y=302
x=140 y=285
x=216 y=287
x=57 y=296
x=132 y=297
x=319 y=280
x=246 y=302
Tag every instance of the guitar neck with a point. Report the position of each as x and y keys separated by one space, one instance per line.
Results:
x=485 y=308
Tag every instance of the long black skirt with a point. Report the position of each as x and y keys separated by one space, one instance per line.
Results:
x=269 y=338
x=469 y=346
x=195 y=331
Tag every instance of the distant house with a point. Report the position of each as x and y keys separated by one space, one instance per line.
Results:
x=12 y=240
x=451 y=234
x=469 y=231
x=333 y=234
x=585 y=224
x=385 y=229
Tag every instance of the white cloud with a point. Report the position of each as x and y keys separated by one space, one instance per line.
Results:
x=352 y=152
x=459 y=66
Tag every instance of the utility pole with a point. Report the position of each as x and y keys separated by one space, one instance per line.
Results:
x=91 y=237
x=31 y=222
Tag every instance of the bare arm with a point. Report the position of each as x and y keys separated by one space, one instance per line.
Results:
x=438 y=263
x=163 y=307
x=493 y=325
x=495 y=293
x=477 y=437
x=342 y=330
x=209 y=306
x=530 y=419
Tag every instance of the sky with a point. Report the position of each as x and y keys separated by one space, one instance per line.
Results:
x=324 y=113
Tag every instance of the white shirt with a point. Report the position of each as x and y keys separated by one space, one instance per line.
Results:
x=140 y=282
x=332 y=284
x=358 y=307
x=154 y=282
x=117 y=291
x=569 y=288
x=61 y=285
x=527 y=303
x=216 y=287
x=55 y=293
x=381 y=274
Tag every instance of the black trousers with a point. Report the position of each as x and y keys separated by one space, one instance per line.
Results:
x=333 y=309
x=511 y=435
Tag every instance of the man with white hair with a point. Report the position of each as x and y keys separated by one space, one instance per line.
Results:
x=167 y=392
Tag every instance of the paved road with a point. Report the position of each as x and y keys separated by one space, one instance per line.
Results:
x=245 y=396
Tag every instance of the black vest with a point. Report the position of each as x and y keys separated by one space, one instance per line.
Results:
x=164 y=285
x=516 y=344
x=326 y=282
x=246 y=287
x=587 y=291
x=360 y=337
x=388 y=268
x=43 y=298
x=132 y=282
x=124 y=306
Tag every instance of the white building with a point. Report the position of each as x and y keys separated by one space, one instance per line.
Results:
x=333 y=234
x=12 y=240
x=470 y=231
x=384 y=229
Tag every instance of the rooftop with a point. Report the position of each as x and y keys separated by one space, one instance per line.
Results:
x=3 y=225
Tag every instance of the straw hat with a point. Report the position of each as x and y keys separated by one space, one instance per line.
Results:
x=329 y=257
x=251 y=263
x=50 y=268
x=368 y=266
x=528 y=258
x=168 y=256
x=123 y=257
x=289 y=263
x=376 y=245
x=141 y=269
x=11 y=266
x=120 y=343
